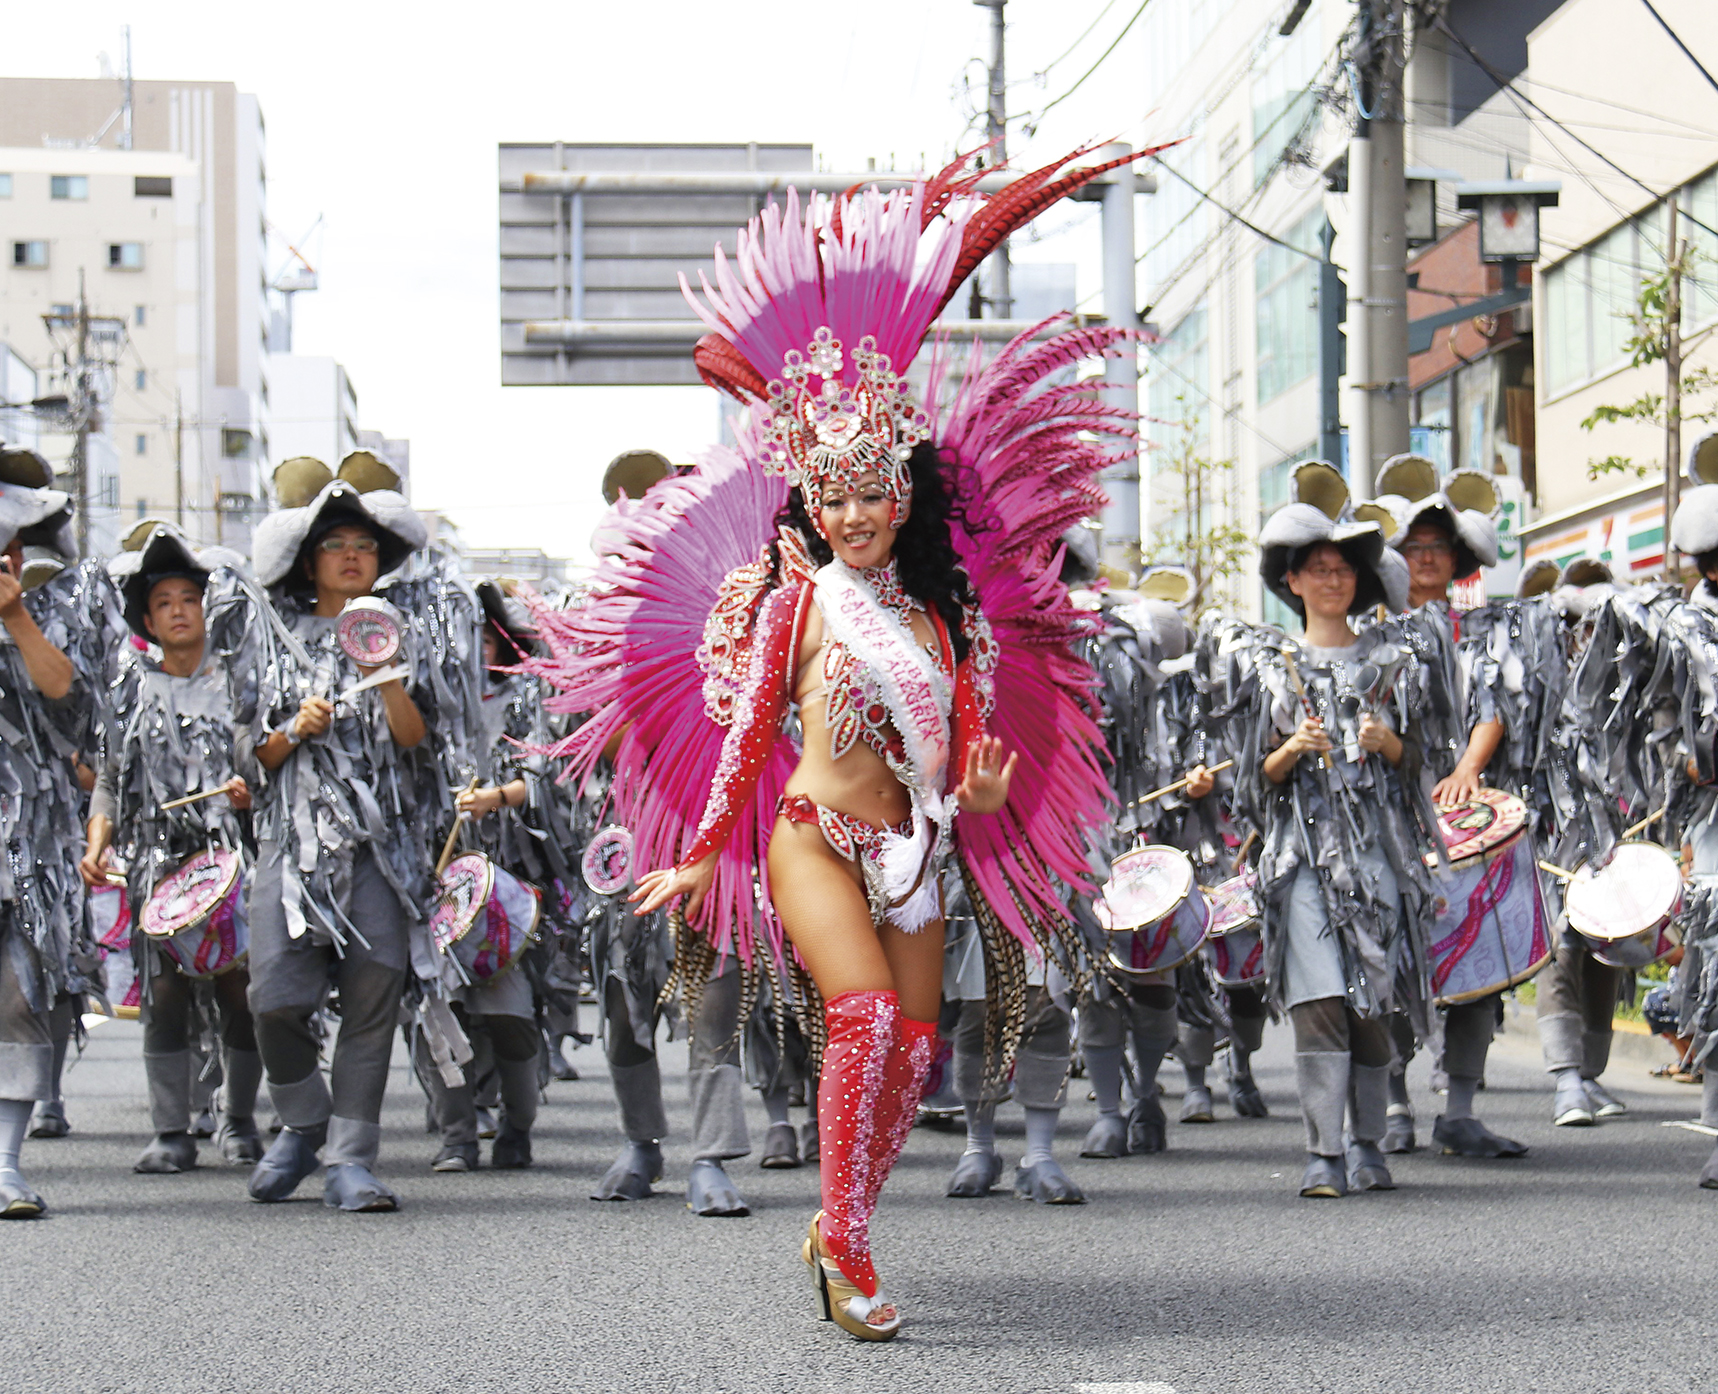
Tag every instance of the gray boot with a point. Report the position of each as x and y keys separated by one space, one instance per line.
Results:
x=303 y=1107
x=173 y=1149
x=237 y=1136
x=1570 y=1106
x=974 y=1174
x=1709 y=1096
x=1369 y=1098
x=1321 y=1077
x=350 y=1156
x=710 y=1191
x=631 y=1175
x=1047 y=1184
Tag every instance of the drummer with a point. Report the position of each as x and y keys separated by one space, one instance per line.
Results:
x=170 y=736
x=1345 y=898
x=341 y=871
x=41 y=691
x=1442 y=544
x=520 y=828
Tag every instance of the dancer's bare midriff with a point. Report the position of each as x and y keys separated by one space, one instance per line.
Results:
x=858 y=783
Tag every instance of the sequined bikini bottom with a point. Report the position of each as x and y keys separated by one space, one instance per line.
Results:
x=850 y=838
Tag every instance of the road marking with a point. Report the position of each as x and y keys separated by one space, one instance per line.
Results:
x=1138 y=1386
x=1691 y=1126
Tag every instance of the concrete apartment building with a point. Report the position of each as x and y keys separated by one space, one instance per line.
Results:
x=1627 y=99
x=184 y=208
x=1266 y=121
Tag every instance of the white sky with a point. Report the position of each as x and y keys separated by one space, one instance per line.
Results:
x=385 y=118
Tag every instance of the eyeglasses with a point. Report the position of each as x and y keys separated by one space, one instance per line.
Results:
x=363 y=546
x=1330 y=573
x=1427 y=549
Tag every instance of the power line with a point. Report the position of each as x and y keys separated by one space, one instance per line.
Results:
x=1033 y=118
x=1504 y=84
x=1676 y=39
x=1235 y=217
x=1619 y=106
x=1085 y=34
x=1246 y=154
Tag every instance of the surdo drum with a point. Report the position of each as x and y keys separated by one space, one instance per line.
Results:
x=369 y=629
x=1235 y=950
x=1625 y=912
x=1491 y=930
x=607 y=862
x=1153 y=911
x=485 y=918
x=197 y=915
x=110 y=921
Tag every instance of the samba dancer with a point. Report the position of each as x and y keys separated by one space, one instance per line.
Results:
x=341 y=870
x=43 y=695
x=1444 y=537
x=864 y=610
x=169 y=737
x=1345 y=894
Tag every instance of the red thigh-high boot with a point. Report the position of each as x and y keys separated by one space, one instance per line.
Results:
x=898 y=1109
x=863 y=1028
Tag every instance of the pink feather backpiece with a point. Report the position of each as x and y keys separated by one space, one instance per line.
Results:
x=628 y=657
x=1026 y=469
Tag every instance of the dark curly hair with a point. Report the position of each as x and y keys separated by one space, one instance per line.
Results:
x=924 y=548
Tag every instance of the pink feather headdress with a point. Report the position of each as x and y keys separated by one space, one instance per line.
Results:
x=824 y=306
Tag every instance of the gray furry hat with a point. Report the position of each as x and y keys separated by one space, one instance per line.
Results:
x=1461 y=505
x=1694 y=528
x=1295 y=526
x=511 y=621
x=37 y=515
x=313 y=500
x=154 y=551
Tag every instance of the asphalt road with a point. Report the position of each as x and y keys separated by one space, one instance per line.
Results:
x=1586 y=1266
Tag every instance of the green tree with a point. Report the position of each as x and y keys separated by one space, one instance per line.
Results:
x=1654 y=324
x=1200 y=534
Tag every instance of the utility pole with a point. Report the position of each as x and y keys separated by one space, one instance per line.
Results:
x=178 y=458
x=1332 y=349
x=83 y=396
x=996 y=131
x=1672 y=387
x=1123 y=519
x=125 y=126
x=1378 y=278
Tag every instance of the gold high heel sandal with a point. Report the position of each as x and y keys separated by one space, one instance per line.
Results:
x=839 y=1301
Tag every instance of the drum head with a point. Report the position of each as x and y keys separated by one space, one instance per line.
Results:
x=1145 y=886
x=1234 y=903
x=191 y=893
x=1637 y=889
x=607 y=862
x=465 y=887
x=368 y=631
x=1488 y=820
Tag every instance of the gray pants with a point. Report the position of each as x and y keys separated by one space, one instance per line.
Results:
x=1577 y=1000
x=1040 y=1063
x=26 y=1039
x=290 y=979
x=714 y=1079
x=503 y=1039
x=1468 y=1029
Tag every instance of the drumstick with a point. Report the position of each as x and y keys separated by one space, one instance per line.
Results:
x=453 y=832
x=1180 y=783
x=196 y=798
x=1556 y=870
x=1646 y=822
x=374 y=680
x=1305 y=701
